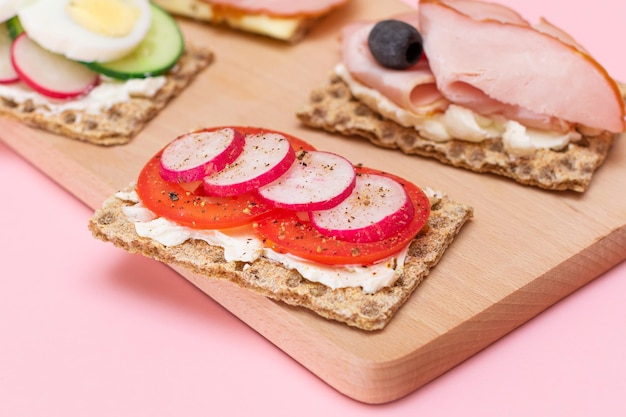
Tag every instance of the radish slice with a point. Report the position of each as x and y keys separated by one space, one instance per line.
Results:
x=193 y=156
x=316 y=181
x=377 y=208
x=7 y=72
x=265 y=157
x=50 y=74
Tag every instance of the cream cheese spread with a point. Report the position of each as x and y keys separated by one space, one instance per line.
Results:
x=106 y=94
x=240 y=245
x=459 y=122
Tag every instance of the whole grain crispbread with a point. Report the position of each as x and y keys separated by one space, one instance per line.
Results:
x=348 y=305
x=120 y=123
x=333 y=108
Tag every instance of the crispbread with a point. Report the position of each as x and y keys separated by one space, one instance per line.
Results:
x=348 y=305
x=120 y=123
x=333 y=108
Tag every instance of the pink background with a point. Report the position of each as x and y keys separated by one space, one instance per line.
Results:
x=89 y=330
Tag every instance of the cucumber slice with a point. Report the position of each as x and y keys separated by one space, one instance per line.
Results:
x=15 y=27
x=155 y=55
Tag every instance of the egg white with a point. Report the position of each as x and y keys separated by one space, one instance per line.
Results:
x=8 y=9
x=47 y=23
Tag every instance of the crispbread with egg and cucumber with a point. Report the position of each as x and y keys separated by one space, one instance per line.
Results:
x=100 y=73
x=549 y=125
x=270 y=213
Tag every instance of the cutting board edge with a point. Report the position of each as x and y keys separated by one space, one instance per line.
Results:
x=374 y=382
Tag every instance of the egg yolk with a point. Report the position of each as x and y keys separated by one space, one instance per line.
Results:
x=115 y=18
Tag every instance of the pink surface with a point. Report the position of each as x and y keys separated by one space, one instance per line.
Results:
x=89 y=330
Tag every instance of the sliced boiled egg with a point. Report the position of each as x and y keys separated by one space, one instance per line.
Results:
x=86 y=30
x=8 y=9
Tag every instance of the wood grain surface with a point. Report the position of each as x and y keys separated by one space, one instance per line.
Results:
x=524 y=250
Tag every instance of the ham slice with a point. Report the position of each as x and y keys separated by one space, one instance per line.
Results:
x=282 y=7
x=480 y=10
x=413 y=89
x=497 y=65
x=549 y=29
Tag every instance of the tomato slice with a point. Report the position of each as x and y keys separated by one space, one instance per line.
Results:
x=191 y=208
x=285 y=232
x=187 y=205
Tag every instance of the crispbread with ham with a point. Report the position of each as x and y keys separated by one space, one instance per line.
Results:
x=333 y=108
x=118 y=124
x=284 y=20
x=505 y=116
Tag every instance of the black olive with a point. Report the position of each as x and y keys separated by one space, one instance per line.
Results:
x=395 y=44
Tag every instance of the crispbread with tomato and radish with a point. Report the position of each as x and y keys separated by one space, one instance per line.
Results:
x=271 y=213
x=99 y=74
x=427 y=83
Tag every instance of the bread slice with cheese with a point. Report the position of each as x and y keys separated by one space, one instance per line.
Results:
x=351 y=306
x=289 y=27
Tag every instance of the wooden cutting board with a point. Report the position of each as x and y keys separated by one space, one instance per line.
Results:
x=524 y=250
